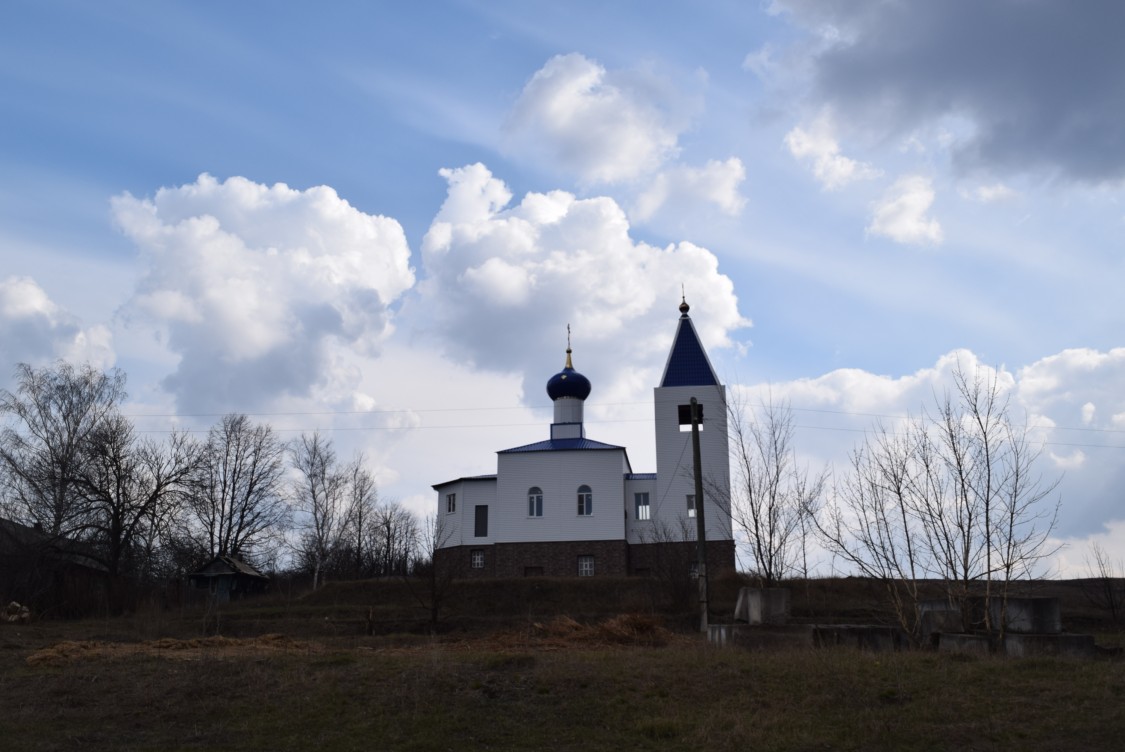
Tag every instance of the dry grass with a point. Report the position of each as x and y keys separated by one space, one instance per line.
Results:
x=627 y=629
x=184 y=650
x=623 y=682
x=302 y=673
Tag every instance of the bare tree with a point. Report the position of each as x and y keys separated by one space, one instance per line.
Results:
x=319 y=495
x=870 y=524
x=434 y=576
x=953 y=496
x=1025 y=516
x=672 y=556
x=772 y=494
x=52 y=413
x=393 y=539
x=237 y=504
x=127 y=485
x=982 y=505
x=1106 y=586
x=360 y=516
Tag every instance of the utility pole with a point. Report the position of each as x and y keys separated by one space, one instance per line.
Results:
x=700 y=524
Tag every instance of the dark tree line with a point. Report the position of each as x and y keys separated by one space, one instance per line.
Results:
x=74 y=469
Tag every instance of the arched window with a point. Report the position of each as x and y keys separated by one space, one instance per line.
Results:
x=535 y=502
x=585 y=501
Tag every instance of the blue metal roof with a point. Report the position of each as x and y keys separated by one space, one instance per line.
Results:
x=687 y=363
x=560 y=445
x=640 y=476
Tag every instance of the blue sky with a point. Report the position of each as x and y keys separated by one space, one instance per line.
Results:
x=378 y=218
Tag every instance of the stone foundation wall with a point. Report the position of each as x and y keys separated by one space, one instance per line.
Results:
x=614 y=558
x=560 y=559
x=460 y=559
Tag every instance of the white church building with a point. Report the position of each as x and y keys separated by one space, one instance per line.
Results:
x=572 y=506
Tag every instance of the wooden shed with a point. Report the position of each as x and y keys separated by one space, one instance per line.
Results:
x=227 y=578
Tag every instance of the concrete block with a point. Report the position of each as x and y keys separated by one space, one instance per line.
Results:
x=873 y=638
x=1068 y=645
x=1028 y=615
x=936 y=616
x=965 y=644
x=762 y=606
x=760 y=637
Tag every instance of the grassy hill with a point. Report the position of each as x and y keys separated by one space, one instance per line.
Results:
x=529 y=664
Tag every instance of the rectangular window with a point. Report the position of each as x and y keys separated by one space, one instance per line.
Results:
x=691 y=505
x=585 y=566
x=643 y=511
x=684 y=413
x=535 y=503
x=480 y=528
x=476 y=560
x=585 y=501
x=450 y=503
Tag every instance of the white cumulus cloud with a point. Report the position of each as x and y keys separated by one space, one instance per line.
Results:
x=901 y=214
x=1080 y=448
x=716 y=184
x=603 y=126
x=35 y=330
x=817 y=146
x=502 y=283
x=254 y=286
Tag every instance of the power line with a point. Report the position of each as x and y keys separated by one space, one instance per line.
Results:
x=493 y=409
x=534 y=408
x=484 y=426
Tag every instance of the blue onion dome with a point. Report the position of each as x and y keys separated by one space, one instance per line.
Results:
x=568 y=383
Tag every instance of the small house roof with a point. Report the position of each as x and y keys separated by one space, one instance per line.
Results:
x=227 y=565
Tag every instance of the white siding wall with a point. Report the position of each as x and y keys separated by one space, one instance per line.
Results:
x=458 y=528
x=568 y=410
x=674 y=459
x=639 y=531
x=559 y=474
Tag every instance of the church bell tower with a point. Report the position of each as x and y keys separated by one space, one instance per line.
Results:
x=688 y=373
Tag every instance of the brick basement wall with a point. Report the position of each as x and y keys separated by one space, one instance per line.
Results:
x=560 y=559
x=460 y=558
x=614 y=558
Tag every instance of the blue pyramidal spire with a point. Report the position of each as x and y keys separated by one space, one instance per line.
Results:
x=687 y=363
